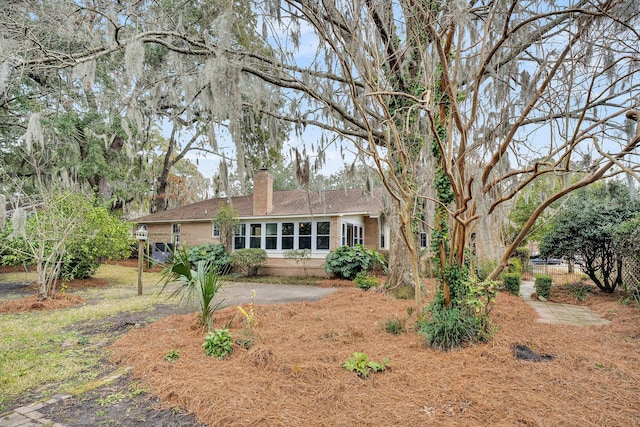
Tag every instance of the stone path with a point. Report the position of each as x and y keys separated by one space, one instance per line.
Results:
x=28 y=416
x=560 y=314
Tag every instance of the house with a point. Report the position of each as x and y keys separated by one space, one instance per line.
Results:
x=279 y=221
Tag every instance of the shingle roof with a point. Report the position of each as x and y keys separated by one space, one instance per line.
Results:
x=285 y=203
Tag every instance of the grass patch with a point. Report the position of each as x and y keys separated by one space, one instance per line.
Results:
x=275 y=280
x=41 y=347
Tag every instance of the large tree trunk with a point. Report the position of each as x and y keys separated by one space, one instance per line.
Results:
x=404 y=256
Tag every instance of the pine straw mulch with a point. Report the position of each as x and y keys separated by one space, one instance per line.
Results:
x=293 y=374
x=32 y=303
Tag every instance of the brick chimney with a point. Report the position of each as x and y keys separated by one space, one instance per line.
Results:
x=262 y=193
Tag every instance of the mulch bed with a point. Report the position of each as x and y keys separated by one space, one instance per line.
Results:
x=293 y=374
x=31 y=303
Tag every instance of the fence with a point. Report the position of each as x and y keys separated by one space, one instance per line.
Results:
x=560 y=273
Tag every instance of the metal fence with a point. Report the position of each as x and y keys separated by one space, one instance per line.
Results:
x=561 y=273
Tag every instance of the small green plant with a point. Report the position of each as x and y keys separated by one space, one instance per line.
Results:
x=83 y=340
x=172 y=355
x=512 y=282
x=365 y=281
x=250 y=260
x=218 y=343
x=394 y=326
x=200 y=282
x=360 y=364
x=543 y=285
x=579 y=290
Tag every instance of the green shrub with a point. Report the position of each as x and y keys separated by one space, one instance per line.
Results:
x=512 y=282
x=347 y=261
x=365 y=281
x=218 y=343
x=543 y=285
x=214 y=254
x=579 y=290
x=448 y=328
x=249 y=260
x=394 y=326
x=200 y=282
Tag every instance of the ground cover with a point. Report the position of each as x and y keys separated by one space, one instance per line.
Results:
x=293 y=374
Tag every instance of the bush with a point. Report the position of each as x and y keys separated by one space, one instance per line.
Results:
x=512 y=282
x=347 y=261
x=543 y=285
x=214 y=254
x=449 y=328
x=249 y=260
x=218 y=343
x=394 y=326
x=365 y=281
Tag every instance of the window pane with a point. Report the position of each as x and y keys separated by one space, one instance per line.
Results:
x=322 y=242
x=304 y=229
x=272 y=229
x=304 y=242
x=322 y=228
x=271 y=243
x=287 y=243
x=256 y=235
x=287 y=229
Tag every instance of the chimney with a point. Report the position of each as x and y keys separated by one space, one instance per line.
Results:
x=262 y=193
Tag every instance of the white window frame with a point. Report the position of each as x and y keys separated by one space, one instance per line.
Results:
x=279 y=236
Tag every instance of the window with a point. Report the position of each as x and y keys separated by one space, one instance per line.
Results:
x=255 y=239
x=271 y=236
x=287 y=235
x=382 y=241
x=322 y=235
x=215 y=231
x=423 y=240
x=175 y=234
x=304 y=235
x=240 y=237
x=352 y=234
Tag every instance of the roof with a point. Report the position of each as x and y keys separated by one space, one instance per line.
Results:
x=301 y=203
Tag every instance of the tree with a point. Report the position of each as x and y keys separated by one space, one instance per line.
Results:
x=226 y=220
x=98 y=114
x=65 y=236
x=585 y=230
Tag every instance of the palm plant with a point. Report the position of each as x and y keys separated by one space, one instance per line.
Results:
x=200 y=284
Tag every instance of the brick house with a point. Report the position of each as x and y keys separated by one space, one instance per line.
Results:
x=279 y=221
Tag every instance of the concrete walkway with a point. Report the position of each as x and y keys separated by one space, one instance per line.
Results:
x=560 y=314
